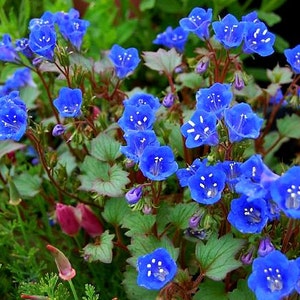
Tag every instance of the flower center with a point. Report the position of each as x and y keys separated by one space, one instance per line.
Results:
x=274 y=279
x=293 y=198
x=252 y=215
x=157 y=270
x=210 y=190
x=157 y=165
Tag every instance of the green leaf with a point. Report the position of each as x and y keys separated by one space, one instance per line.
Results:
x=28 y=185
x=105 y=148
x=212 y=290
x=241 y=292
x=147 y=4
x=181 y=213
x=217 y=256
x=280 y=75
x=102 y=251
x=289 y=126
x=100 y=177
x=145 y=223
x=9 y=146
x=115 y=210
x=162 y=60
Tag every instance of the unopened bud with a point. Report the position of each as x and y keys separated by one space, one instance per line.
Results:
x=247 y=258
x=239 y=83
x=194 y=221
x=34 y=297
x=202 y=65
x=134 y=195
x=58 y=129
x=265 y=247
x=168 y=100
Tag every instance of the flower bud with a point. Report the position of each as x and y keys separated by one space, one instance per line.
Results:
x=247 y=258
x=68 y=218
x=194 y=221
x=265 y=247
x=134 y=195
x=168 y=100
x=147 y=209
x=58 y=129
x=239 y=83
x=66 y=272
x=34 y=297
x=202 y=65
x=89 y=221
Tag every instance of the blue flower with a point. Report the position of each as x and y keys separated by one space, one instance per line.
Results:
x=68 y=102
x=285 y=191
x=47 y=19
x=184 y=174
x=258 y=39
x=22 y=77
x=158 y=162
x=71 y=27
x=297 y=286
x=137 y=141
x=251 y=17
x=134 y=195
x=139 y=99
x=22 y=46
x=233 y=171
x=215 y=98
x=42 y=41
x=137 y=118
x=275 y=99
x=13 y=117
x=293 y=58
x=248 y=216
x=200 y=130
x=8 y=52
x=207 y=184
x=155 y=269
x=273 y=276
x=172 y=38
x=124 y=60
x=229 y=31
x=198 y=22
x=255 y=179
x=242 y=122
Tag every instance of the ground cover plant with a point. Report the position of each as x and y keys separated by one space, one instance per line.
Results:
x=132 y=173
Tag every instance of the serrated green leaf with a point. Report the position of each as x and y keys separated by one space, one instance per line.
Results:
x=9 y=146
x=147 y=4
x=102 y=251
x=105 y=148
x=181 y=213
x=115 y=210
x=212 y=290
x=162 y=60
x=217 y=256
x=100 y=177
x=28 y=185
x=145 y=223
x=242 y=292
x=289 y=126
x=133 y=291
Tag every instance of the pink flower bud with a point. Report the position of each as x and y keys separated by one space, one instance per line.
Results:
x=34 y=297
x=89 y=221
x=68 y=218
x=66 y=272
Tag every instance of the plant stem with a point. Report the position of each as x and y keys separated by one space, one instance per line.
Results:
x=22 y=226
x=73 y=290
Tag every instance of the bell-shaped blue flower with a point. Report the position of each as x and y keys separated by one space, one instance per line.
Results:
x=8 y=52
x=156 y=269
x=22 y=46
x=293 y=58
x=42 y=41
x=137 y=118
x=13 y=117
x=172 y=38
x=20 y=78
x=215 y=98
x=285 y=191
x=125 y=60
x=198 y=22
x=200 y=130
x=184 y=174
x=207 y=184
x=233 y=171
x=158 y=162
x=248 y=216
x=47 y=19
x=68 y=102
x=137 y=141
x=229 y=31
x=258 y=39
x=139 y=99
x=242 y=122
x=273 y=276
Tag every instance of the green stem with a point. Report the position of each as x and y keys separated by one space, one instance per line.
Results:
x=73 y=290
x=22 y=226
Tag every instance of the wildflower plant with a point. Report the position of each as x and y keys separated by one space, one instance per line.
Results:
x=173 y=188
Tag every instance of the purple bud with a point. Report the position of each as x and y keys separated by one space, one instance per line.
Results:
x=168 y=100
x=194 y=221
x=247 y=258
x=134 y=195
x=58 y=129
x=265 y=247
x=147 y=210
x=239 y=83
x=178 y=70
x=202 y=65
x=129 y=163
x=37 y=61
